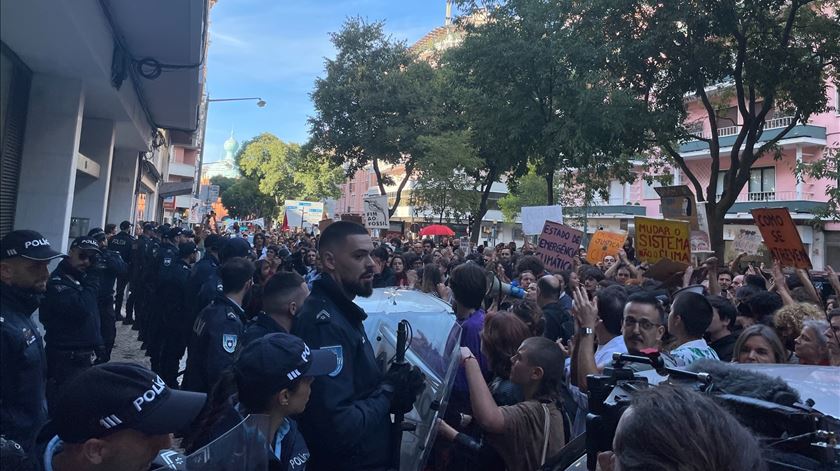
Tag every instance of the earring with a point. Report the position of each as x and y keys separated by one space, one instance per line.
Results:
x=284 y=403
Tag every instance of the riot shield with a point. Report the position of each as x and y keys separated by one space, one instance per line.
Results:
x=242 y=447
x=433 y=342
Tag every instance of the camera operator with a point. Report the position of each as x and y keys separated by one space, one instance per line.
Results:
x=348 y=424
x=690 y=316
x=671 y=427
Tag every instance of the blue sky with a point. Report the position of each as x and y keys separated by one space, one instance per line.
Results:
x=275 y=49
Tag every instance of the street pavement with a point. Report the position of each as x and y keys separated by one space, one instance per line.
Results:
x=127 y=348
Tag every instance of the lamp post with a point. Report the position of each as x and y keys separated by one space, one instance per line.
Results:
x=260 y=104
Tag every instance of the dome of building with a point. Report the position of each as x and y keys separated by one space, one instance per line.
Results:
x=231 y=145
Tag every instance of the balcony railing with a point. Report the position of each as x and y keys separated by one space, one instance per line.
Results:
x=774 y=123
x=773 y=196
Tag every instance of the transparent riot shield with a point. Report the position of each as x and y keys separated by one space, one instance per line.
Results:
x=242 y=447
x=433 y=343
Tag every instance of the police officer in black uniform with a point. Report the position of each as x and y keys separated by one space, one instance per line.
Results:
x=109 y=266
x=235 y=247
x=24 y=256
x=122 y=243
x=166 y=257
x=282 y=296
x=177 y=323
x=70 y=315
x=217 y=330
x=203 y=270
x=135 y=288
x=149 y=268
x=347 y=423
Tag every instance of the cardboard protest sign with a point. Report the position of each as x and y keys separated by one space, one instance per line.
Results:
x=746 y=241
x=323 y=224
x=376 y=212
x=666 y=270
x=558 y=245
x=660 y=238
x=677 y=202
x=781 y=237
x=604 y=243
x=534 y=217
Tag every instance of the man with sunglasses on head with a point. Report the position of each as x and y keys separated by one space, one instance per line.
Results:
x=70 y=315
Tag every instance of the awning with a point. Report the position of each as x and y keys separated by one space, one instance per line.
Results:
x=175 y=189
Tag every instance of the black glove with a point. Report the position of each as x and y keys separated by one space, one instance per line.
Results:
x=406 y=382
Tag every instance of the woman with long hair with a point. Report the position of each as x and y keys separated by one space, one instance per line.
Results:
x=759 y=344
x=399 y=269
x=433 y=282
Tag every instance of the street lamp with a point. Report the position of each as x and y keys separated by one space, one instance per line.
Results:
x=260 y=101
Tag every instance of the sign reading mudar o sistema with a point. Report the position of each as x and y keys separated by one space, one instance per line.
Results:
x=657 y=239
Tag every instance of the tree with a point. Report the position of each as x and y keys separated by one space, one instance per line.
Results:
x=530 y=190
x=284 y=171
x=445 y=185
x=763 y=56
x=223 y=182
x=372 y=105
x=244 y=200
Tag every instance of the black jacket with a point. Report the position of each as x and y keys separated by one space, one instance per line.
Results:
x=172 y=286
x=23 y=368
x=122 y=242
x=202 y=271
x=346 y=423
x=385 y=279
x=259 y=326
x=70 y=312
x=724 y=347
x=108 y=267
x=558 y=322
x=215 y=340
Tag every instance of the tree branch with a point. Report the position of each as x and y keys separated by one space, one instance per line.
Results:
x=409 y=169
x=681 y=163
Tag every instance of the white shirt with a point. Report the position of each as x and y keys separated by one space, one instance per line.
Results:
x=692 y=351
x=604 y=353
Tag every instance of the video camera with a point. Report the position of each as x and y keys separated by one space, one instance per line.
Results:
x=794 y=434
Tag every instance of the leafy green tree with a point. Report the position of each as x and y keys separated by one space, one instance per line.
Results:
x=530 y=190
x=764 y=57
x=244 y=200
x=372 y=105
x=223 y=182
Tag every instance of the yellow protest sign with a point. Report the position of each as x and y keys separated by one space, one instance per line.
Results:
x=657 y=239
x=604 y=243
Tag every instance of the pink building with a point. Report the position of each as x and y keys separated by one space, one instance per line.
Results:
x=772 y=182
x=353 y=192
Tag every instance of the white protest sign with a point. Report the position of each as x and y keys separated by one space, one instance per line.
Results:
x=376 y=212
x=747 y=241
x=534 y=217
x=197 y=211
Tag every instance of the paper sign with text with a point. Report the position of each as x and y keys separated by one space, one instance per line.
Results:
x=534 y=217
x=746 y=241
x=604 y=243
x=657 y=239
x=558 y=245
x=781 y=237
x=376 y=212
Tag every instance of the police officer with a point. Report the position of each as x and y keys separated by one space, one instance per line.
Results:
x=218 y=328
x=122 y=243
x=177 y=323
x=347 y=424
x=149 y=268
x=235 y=247
x=135 y=291
x=282 y=296
x=70 y=315
x=108 y=267
x=167 y=255
x=203 y=270
x=24 y=256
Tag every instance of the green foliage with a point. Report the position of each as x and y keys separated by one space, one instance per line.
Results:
x=244 y=200
x=827 y=168
x=223 y=182
x=530 y=190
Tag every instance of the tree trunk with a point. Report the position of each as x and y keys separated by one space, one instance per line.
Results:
x=409 y=169
x=475 y=231
x=716 y=215
x=549 y=181
x=378 y=173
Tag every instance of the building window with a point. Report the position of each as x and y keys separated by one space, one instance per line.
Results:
x=762 y=185
x=649 y=192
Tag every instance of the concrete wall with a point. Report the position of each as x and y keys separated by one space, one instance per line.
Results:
x=123 y=182
x=91 y=194
x=48 y=170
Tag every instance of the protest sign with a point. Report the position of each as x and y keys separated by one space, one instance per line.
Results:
x=666 y=270
x=376 y=212
x=604 y=243
x=781 y=237
x=746 y=241
x=323 y=223
x=197 y=211
x=660 y=238
x=464 y=245
x=558 y=245
x=534 y=217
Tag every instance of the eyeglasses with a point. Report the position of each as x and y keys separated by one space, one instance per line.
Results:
x=645 y=324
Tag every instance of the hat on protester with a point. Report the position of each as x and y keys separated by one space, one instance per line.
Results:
x=186 y=249
x=117 y=396
x=27 y=244
x=235 y=247
x=275 y=361
x=88 y=244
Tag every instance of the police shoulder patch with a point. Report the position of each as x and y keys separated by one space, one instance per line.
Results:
x=229 y=342
x=339 y=356
x=322 y=317
x=232 y=316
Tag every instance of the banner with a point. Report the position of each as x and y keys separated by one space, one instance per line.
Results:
x=311 y=211
x=257 y=222
x=604 y=243
x=558 y=246
x=535 y=217
x=746 y=241
x=376 y=212
x=197 y=211
x=660 y=238
x=781 y=237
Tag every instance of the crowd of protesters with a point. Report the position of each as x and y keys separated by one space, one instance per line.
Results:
x=245 y=306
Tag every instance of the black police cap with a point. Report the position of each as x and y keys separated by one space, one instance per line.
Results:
x=27 y=244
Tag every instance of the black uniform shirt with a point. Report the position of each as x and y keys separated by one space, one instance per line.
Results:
x=214 y=343
x=122 y=243
x=70 y=312
x=259 y=326
x=23 y=406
